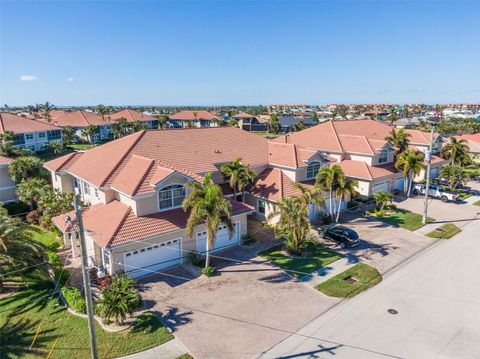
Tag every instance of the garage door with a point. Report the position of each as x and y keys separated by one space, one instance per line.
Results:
x=399 y=183
x=153 y=258
x=222 y=240
x=381 y=186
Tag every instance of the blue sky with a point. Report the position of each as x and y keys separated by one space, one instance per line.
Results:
x=239 y=52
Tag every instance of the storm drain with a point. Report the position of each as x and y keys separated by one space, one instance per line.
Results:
x=392 y=311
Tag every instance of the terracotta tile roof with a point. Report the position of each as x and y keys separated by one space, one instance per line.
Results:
x=192 y=152
x=360 y=136
x=4 y=160
x=63 y=163
x=131 y=116
x=362 y=171
x=79 y=118
x=469 y=137
x=115 y=223
x=18 y=124
x=288 y=154
x=190 y=115
x=273 y=184
x=243 y=115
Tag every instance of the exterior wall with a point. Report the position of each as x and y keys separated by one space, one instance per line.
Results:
x=188 y=245
x=363 y=187
x=36 y=141
x=7 y=186
x=367 y=159
x=390 y=156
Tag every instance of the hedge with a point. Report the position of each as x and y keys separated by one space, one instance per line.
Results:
x=74 y=299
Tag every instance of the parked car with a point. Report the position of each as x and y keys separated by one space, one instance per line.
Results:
x=435 y=191
x=343 y=236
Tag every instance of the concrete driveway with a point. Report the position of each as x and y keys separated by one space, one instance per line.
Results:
x=381 y=245
x=241 y=312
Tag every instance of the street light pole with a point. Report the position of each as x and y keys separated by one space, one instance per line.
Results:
x=428 y=158
x=86 y=277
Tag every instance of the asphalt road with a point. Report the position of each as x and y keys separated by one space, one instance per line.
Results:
x=436 y=295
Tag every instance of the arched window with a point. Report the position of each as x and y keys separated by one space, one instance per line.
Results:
x=171 y=196
x=312 y=169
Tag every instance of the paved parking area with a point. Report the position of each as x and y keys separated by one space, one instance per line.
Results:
x=382 y=246
x=237 y=314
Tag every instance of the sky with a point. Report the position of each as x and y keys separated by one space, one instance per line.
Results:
x=147 y=52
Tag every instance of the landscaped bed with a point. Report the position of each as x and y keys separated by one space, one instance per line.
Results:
x=315 y=256
x=404 y=219
x=351 y=282
x=477 y=203
x=22 y=314
x=446 y=231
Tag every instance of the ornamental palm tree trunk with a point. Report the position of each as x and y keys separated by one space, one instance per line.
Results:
x=410 y=182
x=332 y=212
x=207 y=253
x=339 y=207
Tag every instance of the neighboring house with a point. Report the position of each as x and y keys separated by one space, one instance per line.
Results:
x=81 y=119
x=7 y=185
x=136 y=116
x=135 y=187
x=287 y=122
x=29 y=133
x=193 y=119
x=249 y=122
x=359 y=147
x=473 y=144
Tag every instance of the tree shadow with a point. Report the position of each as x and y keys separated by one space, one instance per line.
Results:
x=279 y=277
x=313 y=353
x=17 y=337
x=174 y=319
x=146 y=323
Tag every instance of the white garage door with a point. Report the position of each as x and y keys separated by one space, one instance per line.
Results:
x=222 y=240
x=399 y=183
x=153 y=258
x=381 y=186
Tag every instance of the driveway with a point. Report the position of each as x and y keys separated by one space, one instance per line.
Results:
x=381 y=245
x=239 y=313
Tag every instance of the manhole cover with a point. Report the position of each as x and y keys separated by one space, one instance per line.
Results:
x=392 y=311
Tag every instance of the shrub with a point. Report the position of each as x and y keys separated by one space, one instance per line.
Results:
x=197 y=259
x=74 y=299
x=208 y=271
x=380 y=213
x=15 y=208
x=54 y=259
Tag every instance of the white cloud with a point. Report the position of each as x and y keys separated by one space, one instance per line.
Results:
x=29 y=78
x=70 y=79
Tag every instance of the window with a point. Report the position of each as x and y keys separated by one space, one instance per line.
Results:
x=383 y=157
x=41 y=135
x=96 y=193
x=86 y=187
x=55 y=135
x=29 y=136
x=261 y=206
x=312 y=170
x=19 y=139
x=171 y=196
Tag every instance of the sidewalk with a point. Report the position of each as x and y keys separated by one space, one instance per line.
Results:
x=330 y=271
x=169 y=350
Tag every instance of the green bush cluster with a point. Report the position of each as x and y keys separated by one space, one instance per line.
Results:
x=208 y=271
x=74 y=299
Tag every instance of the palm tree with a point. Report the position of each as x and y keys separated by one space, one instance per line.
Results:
x=328 y=179
x=457 y=151
x=56 y=147
x=46 y=108
x=7 y=144
x=29 y=191
x=274 y=124
x=239 y=176
x=119 y=299
x=17 y=249
x=455 y=176
x=102 y=111
x=68 y=134
x=162 y=121
x=207 y=206
x=346 y=188
x=393 y=116
x=88 y=132
x=26 y=167
x=382 y=198
x=411 y=164
x=293 y=223
x=299 y=126
x=399 y=139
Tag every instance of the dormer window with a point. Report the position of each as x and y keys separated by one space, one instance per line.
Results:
x=171 y=197
x=383 y=157
x=312 y=170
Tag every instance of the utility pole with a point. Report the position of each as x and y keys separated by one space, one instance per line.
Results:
x=428 y=158
x=86 y=277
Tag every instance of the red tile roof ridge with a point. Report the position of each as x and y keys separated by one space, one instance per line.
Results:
x=139 y=136
x=336 y=136
x=57 y=164
x=120 y=224
x=181 y=170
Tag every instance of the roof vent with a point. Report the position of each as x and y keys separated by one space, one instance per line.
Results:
x=217 y=151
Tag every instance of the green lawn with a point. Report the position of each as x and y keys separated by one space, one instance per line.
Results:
x=22 y=314
x=446 y=231
x=185 y=356
x=365 y=276
x=463 y=195
x=405 y=219
x=81 y=146
x=317 y=256
x=48 y=238
x=477 y=203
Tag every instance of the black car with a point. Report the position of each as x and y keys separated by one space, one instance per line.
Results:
x=344 y=236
